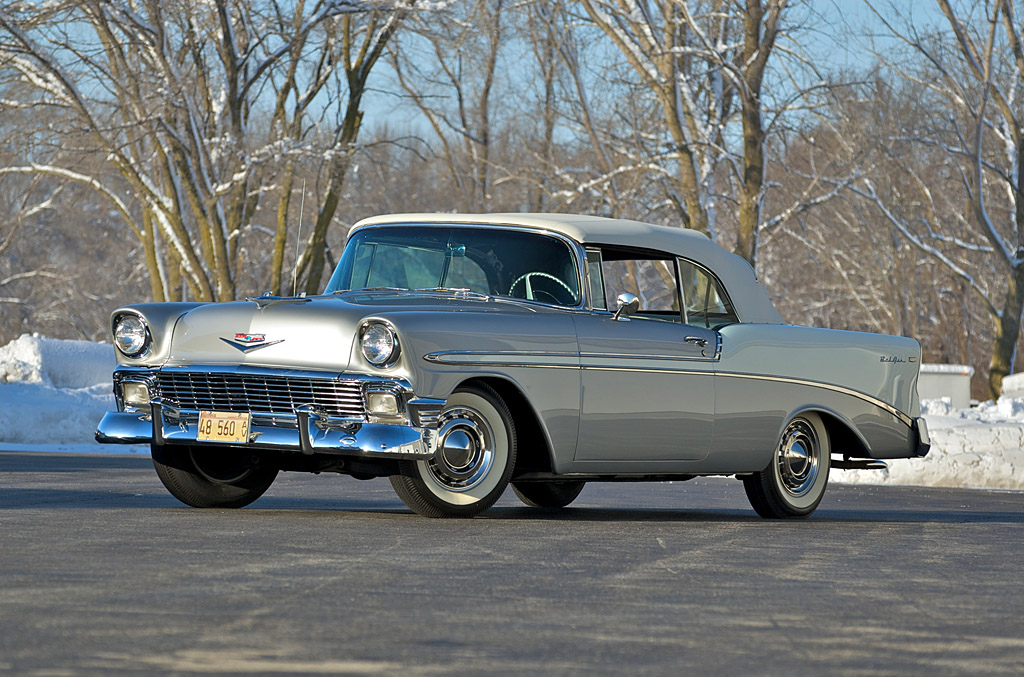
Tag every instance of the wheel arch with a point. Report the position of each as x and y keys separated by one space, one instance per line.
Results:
x=533 y=446
x=843 y=436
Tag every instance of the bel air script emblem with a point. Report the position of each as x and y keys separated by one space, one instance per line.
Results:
x=895 y=358
x=250 y=342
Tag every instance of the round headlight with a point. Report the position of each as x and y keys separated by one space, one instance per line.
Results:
x=130 y=335
x=378 y=343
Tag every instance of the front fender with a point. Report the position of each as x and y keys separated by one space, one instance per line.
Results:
x=160 y=318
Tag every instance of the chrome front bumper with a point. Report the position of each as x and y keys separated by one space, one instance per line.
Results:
x=314 y=433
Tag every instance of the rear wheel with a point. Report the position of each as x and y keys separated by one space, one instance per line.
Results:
x=555 y=494
x=476 y=452
x=211 y=477
x=794 y=482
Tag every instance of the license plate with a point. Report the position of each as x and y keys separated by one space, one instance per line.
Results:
x=223 y=426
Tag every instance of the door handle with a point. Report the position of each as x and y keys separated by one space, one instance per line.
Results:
x=697 y=340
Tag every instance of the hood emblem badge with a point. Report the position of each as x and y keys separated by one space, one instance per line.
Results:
x=250 y=342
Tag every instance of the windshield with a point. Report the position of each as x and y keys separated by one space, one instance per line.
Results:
x=485 y=260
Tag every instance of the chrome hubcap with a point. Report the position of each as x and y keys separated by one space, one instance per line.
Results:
x=798 y=458
x=458 y=449
x=465 y=449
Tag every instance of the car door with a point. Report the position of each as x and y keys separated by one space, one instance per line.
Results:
x=648 y=389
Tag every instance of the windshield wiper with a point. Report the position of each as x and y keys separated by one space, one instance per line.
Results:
x=458 y=291
x=342 y=291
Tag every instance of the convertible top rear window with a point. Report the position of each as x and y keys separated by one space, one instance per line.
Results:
x=490 y=261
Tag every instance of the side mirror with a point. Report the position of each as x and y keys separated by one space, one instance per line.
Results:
x=625 y=305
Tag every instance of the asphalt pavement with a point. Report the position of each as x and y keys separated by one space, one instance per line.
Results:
x=103 y=572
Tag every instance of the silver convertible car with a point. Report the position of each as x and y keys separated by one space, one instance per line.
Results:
x=458 y=353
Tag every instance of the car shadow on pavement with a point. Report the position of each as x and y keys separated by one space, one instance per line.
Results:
x=21 y=498
x=44 y=462
x=719 y=515
x=965 y=515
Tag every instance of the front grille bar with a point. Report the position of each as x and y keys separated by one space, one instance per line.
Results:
x=261 y=393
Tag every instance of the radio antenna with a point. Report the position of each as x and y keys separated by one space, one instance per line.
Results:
x=298 y=239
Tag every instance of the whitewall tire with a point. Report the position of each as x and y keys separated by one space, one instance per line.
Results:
x=794 y=482
x=476 y=453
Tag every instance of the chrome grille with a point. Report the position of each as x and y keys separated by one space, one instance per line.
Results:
x=260 y=393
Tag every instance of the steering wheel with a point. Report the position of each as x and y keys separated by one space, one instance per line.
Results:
x=531 y=293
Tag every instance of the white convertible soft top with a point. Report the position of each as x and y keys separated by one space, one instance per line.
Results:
x=749 y=297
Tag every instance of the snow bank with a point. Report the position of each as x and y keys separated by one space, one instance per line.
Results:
x=980 y=447
x=1013 y=385
x=61 y=364
x=53 y=393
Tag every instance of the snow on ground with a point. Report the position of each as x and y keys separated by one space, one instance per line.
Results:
x=980 y=447
x=53 y=393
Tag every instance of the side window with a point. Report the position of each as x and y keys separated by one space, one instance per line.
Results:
x=706 y=303
x=650 y=278
x=596 y=279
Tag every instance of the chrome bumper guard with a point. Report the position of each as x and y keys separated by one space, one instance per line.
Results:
x=315 y=432
x=924 y=443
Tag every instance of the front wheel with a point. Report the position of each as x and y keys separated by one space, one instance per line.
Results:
x=794 y=482
x=476 y=452
x=211 y=477
x=554 y=494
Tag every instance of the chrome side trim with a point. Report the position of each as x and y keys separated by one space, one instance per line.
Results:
x=643 y=358
x=650 y=370
x=554 y=360
x=558 y=360
x=906 y=420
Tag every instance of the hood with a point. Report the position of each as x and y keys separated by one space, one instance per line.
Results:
x=309 y=333
x=304 y=333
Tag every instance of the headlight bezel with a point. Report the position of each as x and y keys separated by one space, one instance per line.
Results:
x=383 y=329
x=145 y=335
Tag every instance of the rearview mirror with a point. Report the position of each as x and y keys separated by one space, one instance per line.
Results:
x=625 y=305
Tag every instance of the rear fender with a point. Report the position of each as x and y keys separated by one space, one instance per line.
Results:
x=843 y=435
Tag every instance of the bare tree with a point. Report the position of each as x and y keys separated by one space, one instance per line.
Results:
x=973 y=76
x=705 y=61
x=361 y=41
x=27 y=205
x=608 y=166
x=448 y=67
x=165 y=91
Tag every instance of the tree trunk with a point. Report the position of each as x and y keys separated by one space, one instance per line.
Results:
x=759 y=32
x=1007 y=331
x=312 y=266
x=691 y=208
x=281 y=235
x=156 y=284
x=357 y=71
x=753 y=181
